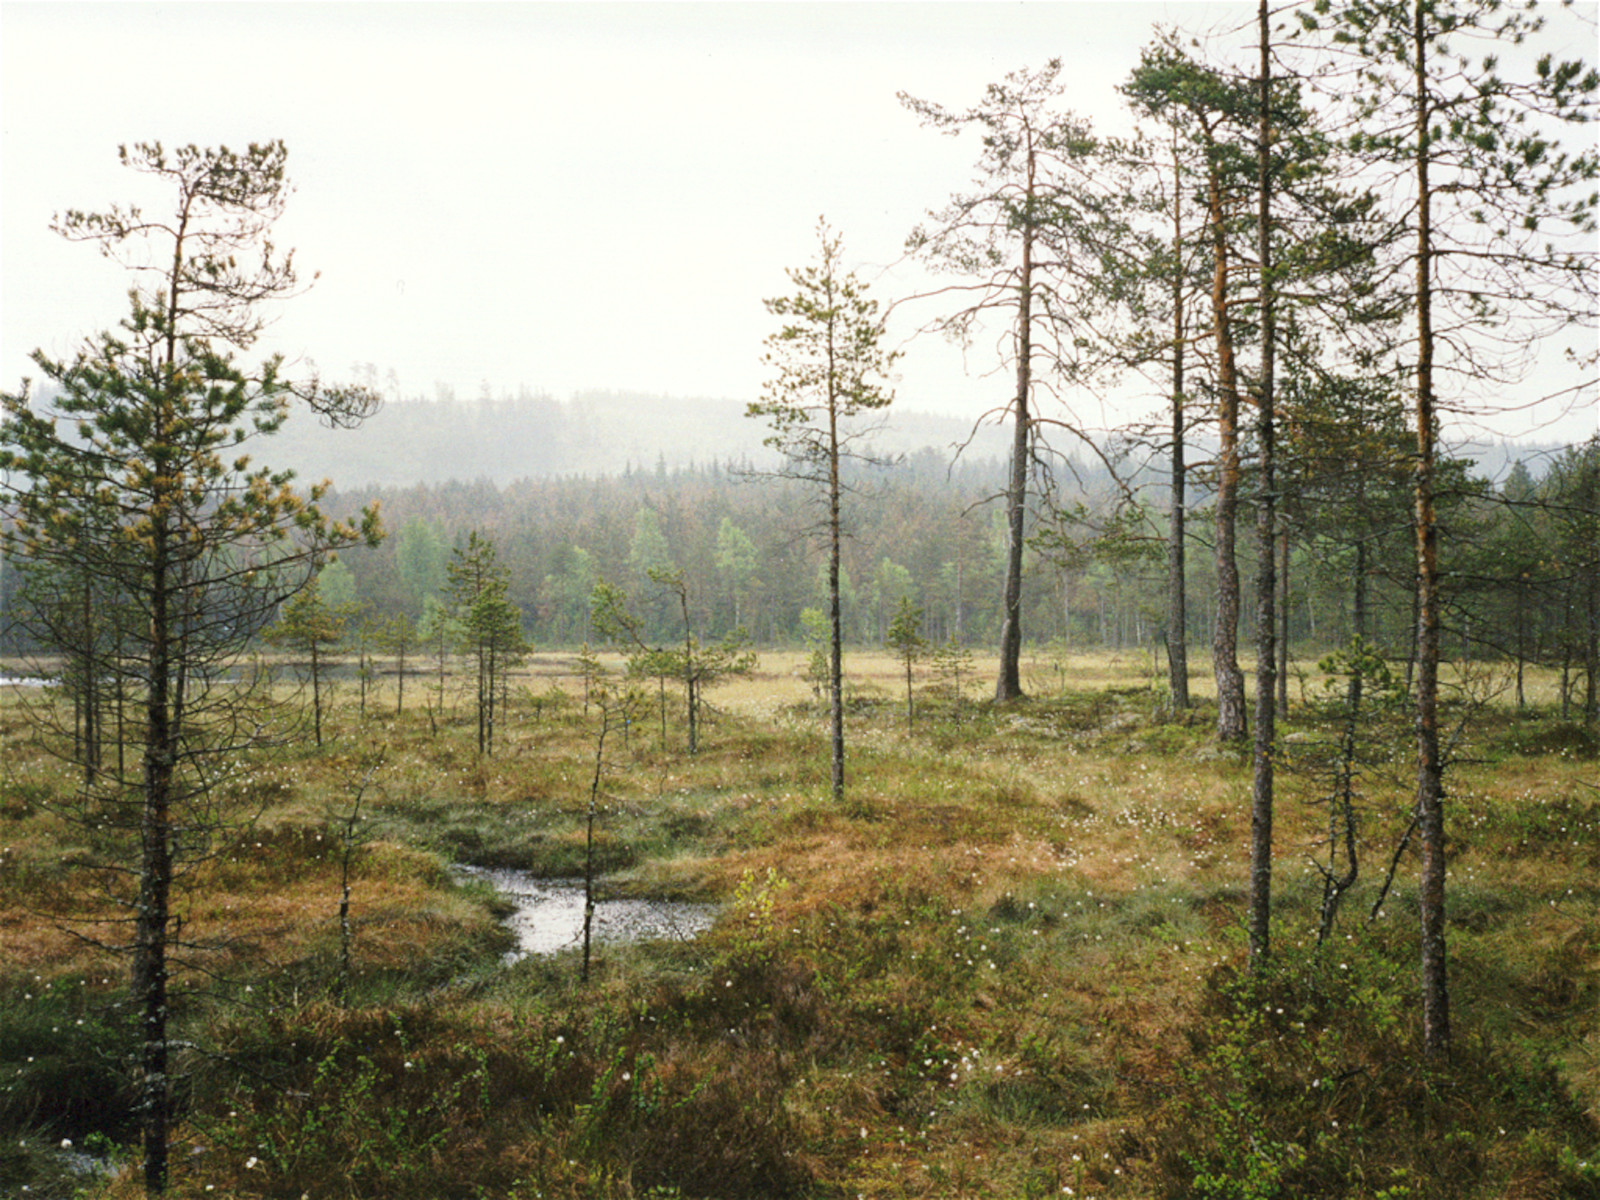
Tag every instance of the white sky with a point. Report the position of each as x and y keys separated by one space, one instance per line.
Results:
x=556 y=196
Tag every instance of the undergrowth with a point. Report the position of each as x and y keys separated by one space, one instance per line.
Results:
x=1012 y=966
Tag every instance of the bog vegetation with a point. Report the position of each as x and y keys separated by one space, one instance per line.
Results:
x=1012 y=964
x=988 y=926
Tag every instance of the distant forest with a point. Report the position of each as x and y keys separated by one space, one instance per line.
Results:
x=608 y=486
x=533 y=436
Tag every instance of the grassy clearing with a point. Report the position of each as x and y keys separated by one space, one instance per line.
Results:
x=1009 y=966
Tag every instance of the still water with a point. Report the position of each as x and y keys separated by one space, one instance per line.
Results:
x=549 y=914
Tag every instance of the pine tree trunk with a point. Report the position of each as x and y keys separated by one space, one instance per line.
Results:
x=93 y=705
x=155 y=874
x=1261 y=798
x=1430 y=782
x=1008 y=686
x=1591 y=648
x=1231 y=721
x=1358 y=606
x=316 y=693
x=1283 y=621
x=1177 y=599
x=836 y=621
x=485 y=695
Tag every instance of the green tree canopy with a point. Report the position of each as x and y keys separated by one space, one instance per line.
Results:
x=140 y=471
x=829 y=365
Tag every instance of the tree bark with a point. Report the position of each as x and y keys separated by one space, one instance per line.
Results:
x=1283 y=620
x=691 y=686
x=163 y=728
x=1591 y=647
x=1231 y=721
x=835 y=609
x=1341 y=805
x=155 y=875
x=316 y=692
x=1430 y=782
x=1008 y=686
x=835 y=617
x=1177 y=599
x=1261 y=797
x=91 y=690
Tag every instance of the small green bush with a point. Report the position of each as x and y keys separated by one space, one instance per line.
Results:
x=62 y=1052
x=1308 y=1078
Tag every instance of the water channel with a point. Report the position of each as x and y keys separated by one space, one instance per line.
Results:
x=548 y=914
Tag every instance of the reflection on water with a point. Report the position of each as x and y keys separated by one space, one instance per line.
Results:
x=549 y=914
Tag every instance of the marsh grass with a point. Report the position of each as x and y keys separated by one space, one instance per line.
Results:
x=1009 y=966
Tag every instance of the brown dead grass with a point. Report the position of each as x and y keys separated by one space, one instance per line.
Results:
x=1131 y=830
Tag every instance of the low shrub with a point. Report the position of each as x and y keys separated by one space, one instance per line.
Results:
x=1308 y=1078
x=62 y=1062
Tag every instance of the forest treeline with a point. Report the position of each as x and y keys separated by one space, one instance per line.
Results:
x=529 y=435
x=927 y=525
x=929 y=529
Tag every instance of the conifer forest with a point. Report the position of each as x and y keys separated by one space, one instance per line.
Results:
x=806 y=794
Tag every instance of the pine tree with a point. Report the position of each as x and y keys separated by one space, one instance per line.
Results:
x=1011 y=241
x=906 y=640
x=1484 y=198
x=829 y=363
x=312 y=627
x=138 y=471
x=490 y=626
x=1214 y=110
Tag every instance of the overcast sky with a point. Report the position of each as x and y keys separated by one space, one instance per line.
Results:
x=553 y=196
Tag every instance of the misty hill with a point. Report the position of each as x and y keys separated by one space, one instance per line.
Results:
x=592 y=434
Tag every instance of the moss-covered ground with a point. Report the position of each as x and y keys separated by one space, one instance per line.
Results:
x=1010 y=964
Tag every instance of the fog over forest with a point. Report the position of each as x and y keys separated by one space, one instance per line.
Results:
x=591 y=434
x=605 y=433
